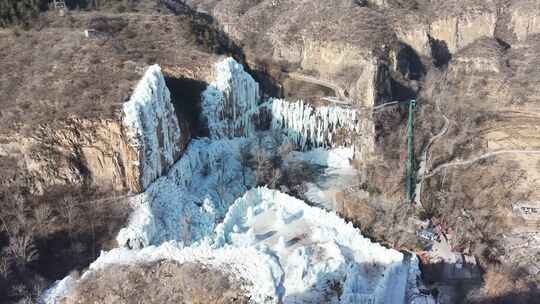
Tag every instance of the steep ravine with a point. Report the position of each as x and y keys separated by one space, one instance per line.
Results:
x=196 y=211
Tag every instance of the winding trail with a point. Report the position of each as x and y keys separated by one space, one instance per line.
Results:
x=340 y=93
x=478 y=158
x=424 y=158
x=384 y=105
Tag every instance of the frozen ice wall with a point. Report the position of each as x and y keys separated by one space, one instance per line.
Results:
x=311 y=127
x=231 y=102
x=185 y=204
x=152 y=129
x=316 y=249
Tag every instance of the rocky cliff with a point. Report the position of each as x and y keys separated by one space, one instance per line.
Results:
x=75 y=120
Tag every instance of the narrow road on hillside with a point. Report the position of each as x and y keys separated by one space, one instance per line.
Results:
x=479 y=158
x=340 y=93
x=424 y=158
x=384 y=105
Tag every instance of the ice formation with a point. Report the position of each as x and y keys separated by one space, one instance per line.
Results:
x=336 y=174
x=287 y=251
x=231 y=109
x=231 y=102
x=185 y=204
x=317 y=250
x=152 y=127
x=311 y=127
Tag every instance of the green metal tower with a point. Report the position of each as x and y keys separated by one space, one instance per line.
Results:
x=410 y=174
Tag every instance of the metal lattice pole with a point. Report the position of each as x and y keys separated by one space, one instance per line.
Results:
x=411 y=180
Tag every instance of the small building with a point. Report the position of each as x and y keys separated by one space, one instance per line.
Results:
x=527 y=210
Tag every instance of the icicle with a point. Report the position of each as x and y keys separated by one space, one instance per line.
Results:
x=312 y=127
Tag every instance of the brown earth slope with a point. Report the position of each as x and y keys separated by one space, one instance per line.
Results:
x=160 y=282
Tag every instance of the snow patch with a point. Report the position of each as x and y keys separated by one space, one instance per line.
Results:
x=152 y=127
x=333 y=158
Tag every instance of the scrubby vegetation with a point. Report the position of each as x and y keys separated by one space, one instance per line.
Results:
x=20 y=12
x=159 y=282
x=43 y=238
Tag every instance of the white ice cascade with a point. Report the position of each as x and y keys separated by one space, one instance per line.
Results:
x=231 y=102
x=152 y=127
x=195 y=209
x=315 y=249
x=311 y=127
x=185 y=204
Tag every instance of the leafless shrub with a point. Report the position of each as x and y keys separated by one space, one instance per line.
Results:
x=5 y=270
x=43 y=217
x=23 y=249
x=262 y=166
x=69 y=211
x=285 y=149
x=245 y=159
x=503 y=285
x=224 y=181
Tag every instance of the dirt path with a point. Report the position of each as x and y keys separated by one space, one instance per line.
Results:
x=478 y=158
x=340 y=93
x=424 y=158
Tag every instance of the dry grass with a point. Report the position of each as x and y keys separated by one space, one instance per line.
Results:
x=47 y=236
x=54 y=72
x=160 y=282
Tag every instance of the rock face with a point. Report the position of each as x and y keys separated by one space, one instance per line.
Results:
x=78 y=148
x=67 y=124
x=351 y=49
x=120 y=155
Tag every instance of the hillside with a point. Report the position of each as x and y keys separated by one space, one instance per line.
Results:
x=142 y=125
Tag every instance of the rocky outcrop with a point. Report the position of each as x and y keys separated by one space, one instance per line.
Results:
x=352 y=48
x=459 y=23
x=525 y=19
x=66 y=123
x=109 y=153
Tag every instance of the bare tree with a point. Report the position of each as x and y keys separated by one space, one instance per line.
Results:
x=5 y=269
x=43 y=217
x=262 y=166
x=285 y=149
x=245 y=158
x=69 y=212
x=223 y=182
x=23 y=249
x=21 y=233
